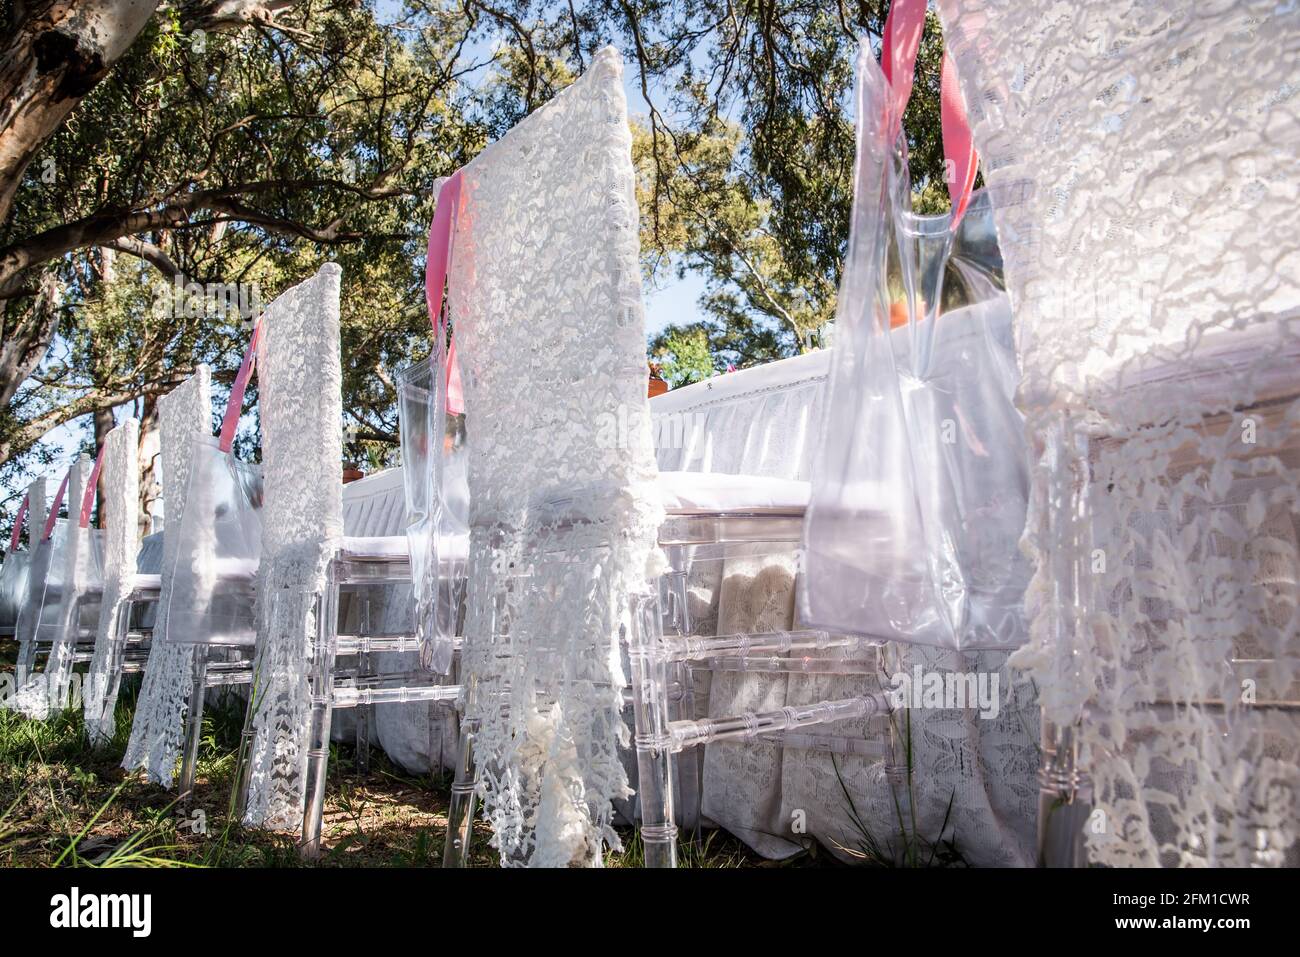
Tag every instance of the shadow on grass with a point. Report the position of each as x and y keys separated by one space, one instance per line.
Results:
x=66 y=804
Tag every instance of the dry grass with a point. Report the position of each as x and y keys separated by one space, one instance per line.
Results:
x=64 y=804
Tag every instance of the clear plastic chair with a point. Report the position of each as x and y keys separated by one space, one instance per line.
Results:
x=89 y=591
x=567 y=509
x=16 y=571
x=212 y=551
x=41 y=549
x=322 y=600
x=365 y=612
x=64 y=600
x=723 y=561
x=117 y=649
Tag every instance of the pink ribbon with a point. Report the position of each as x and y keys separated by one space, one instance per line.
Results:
x=54 y=509
x=18 y=525
x=235 y=404
x=88 y=498
x=441 y=234
x=958 y=144
x=899 y=46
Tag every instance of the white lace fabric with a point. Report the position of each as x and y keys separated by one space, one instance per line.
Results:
x=300 y=395
x=545 y=301
x=158 y=728
x=47 y=618
x=1141 y=159
x=20 y=586
x=120 y=475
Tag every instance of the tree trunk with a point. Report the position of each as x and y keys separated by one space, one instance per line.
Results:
x=103 y=425
x=55 y=53
x=25 y=333
x=59 y=51
x=150 y=462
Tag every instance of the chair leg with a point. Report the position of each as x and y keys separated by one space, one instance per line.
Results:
x=363 y=669
x=194 y=721
x=363 y=740
x=321 y=681
x=460 y=812
x=243 y=765
x=650 y=714
x=688 y=768
x=116 y=656
x=1064 y=800
x=25 y=667
x=363 y=724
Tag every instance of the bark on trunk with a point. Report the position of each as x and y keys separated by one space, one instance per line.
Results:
x=103 y=426
x=150 y=462
x=59 y=51
x=25 y=334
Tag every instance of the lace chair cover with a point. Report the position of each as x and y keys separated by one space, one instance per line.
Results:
x=29 y=606
x=63 y=557
x=300 y=396
x=545 y=299
x=121 y=540
x=17 y=565
x=766 y=421
x=158 y=729
x=1142 y=161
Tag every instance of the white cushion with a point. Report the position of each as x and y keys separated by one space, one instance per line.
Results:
x=145 y=582
x=236 y=569
x=694 y=493
x=374 y=546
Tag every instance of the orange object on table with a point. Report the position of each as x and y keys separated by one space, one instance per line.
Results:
x=656 y=385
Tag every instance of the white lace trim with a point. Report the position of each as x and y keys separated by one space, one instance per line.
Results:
x=158 y=729
x=121 y=540
x=300 y=395
x=545 y=293
x=1142 y=163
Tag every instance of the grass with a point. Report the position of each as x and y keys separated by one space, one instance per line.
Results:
x=64 y=804
x=907 y=846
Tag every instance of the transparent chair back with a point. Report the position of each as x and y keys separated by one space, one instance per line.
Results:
x=219 y=551
x=30 y=608
x=434 y=465
x=16 y=574
x=13 y=588
x=73 y=584
x=918 y=504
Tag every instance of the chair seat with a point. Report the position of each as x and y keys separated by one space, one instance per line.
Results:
x=716 y=493
x=236 y=569
x=146 y=582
